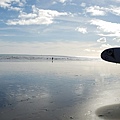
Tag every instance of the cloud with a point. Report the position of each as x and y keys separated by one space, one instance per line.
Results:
x=62 y=1
x=14 y=8
x=115 y=10
x=110 y=34
x=102 y=40
x=6 y=3
x=12 y=4
x=89 y=50
x=81 y=30
x=106 y=27
x=37 y=17
x=83 y=4
x=95 y=11
x=102 y=11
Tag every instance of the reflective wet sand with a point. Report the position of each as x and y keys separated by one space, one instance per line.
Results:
x=79 y=90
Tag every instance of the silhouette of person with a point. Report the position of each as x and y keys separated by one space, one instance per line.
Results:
x=52 y=59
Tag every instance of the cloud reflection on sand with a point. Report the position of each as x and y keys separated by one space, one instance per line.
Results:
x=59 y=90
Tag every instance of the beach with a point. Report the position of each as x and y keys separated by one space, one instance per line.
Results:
x=59 y=90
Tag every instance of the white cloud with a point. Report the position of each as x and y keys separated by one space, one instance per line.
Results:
x=110 y=34
x=90 y=50
x=95 y=11
x=102 y=40
x=115 y=10
x=83 y=4
x=9 y=4
x=5 y=3
x=37 y=17
x=107 y=27
x=24 y=15
x=62 y=1
x=81 y=30
x=101 y=11
x=14 y=8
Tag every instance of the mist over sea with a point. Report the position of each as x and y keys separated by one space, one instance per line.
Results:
x=49 y=87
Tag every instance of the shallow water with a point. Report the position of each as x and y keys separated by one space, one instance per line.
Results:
x=62 y=90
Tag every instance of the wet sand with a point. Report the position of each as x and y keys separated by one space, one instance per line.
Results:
x=79 y=90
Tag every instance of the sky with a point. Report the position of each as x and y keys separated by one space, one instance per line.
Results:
x=59 y=27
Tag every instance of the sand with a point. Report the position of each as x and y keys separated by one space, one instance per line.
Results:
x=78 y=90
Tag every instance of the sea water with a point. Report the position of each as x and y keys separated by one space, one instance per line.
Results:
x=59 y=89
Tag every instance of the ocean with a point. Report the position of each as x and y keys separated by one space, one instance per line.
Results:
x=39 y=88
x=38 y=58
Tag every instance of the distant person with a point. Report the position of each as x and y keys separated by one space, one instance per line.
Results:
x=52 y=59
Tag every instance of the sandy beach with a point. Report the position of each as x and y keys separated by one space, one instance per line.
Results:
x=55 y=59
x=62 y=90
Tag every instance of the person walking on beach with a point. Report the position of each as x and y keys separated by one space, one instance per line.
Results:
x=52 y=59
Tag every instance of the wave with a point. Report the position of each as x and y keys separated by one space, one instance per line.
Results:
x=27 y=58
